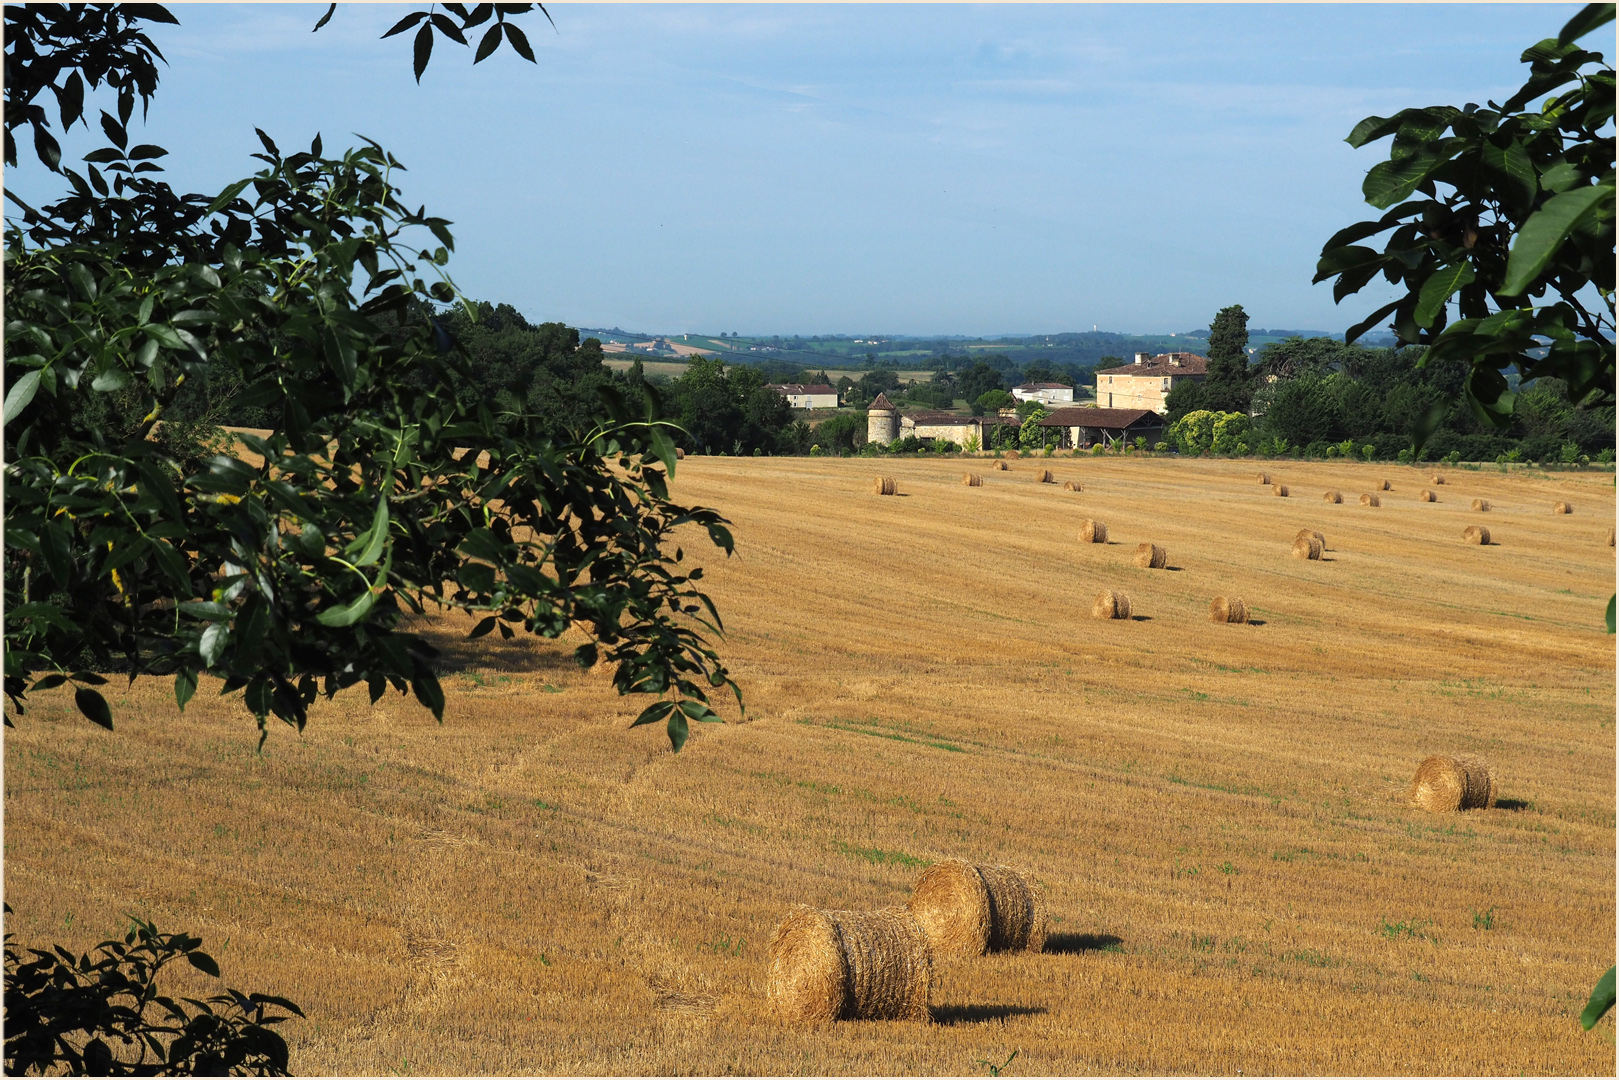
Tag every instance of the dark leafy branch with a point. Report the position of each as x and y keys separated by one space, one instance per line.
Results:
x=385 y=489
x=1510 y=207
x=101 y=1013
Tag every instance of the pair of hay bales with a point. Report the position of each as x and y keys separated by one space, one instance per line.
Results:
x=1444 y=785
x=1309 y=544
x=1476 y=534
x=1228 y=609
x=885 y=485
x=1151 y=557
x=1371 y=500
x=878 y=965
x=1110 y=605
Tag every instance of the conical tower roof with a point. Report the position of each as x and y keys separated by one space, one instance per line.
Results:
x=882 y=404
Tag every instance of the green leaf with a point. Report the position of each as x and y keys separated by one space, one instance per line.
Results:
x=226 y=197
x=1438 y=289
x=21 y=393
x=368 y=546
x=1602 y=994
x=1590 y=17
x=663 y=448
x=93 y=706
x=490 y=42
x=654 y=712
x=203 y=963
x=212 y=642
x=423 y=50
x=1611 y=600
x=185 y=686
x=519 y=42
x=350 y=613
x=404 y=24
x=1537 y=242
x=81 y=279
x=326 y=18
x=424 y=684
x=110 y=380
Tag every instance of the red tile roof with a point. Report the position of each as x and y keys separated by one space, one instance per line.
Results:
x=1164 y=364
x=882 y=403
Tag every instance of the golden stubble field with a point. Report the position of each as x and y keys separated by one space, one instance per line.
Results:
x=1216 y=811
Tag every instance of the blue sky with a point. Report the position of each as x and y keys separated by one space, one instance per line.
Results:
x=846 y=168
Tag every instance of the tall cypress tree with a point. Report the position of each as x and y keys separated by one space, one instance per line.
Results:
x=1226 y=389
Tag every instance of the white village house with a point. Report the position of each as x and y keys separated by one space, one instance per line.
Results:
x=1046 y=393
x=801 y=396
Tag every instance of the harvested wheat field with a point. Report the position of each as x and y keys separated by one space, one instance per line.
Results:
x=1216 y=815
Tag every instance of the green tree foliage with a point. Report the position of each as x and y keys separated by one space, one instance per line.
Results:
x=979 y=379
x=1209 y=432
x=729 y=410
x=100 y=1014
x=1324 y=392
x=1226 y=387
x=385 y=486
x=1491 y=210
x=843 y=433
x=543 y=370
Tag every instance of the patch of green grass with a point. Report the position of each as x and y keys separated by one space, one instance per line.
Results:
x=1409 y=928
x=881 y=857
x=1484 y=920
x=905 y=735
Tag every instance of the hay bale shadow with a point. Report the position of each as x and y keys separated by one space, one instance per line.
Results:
x=982 y=1014
x=1514 y=804
x=1256 y=622
x=1070 y=944
x=1141 y=618
x=1175 y=569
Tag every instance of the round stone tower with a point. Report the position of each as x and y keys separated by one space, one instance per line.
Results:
x=882 y=421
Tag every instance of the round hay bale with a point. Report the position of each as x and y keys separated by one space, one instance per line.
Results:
x=849 y=965
x=1562 y=508
x=1012 y=455
x=1426 y=496
x=680 y=455
x=1151 y=556
x=1228 y=609
x=1307 y=533
x=1110 y=605
x=1610 y=536
x=1386 y=486
x=951 y=904
x=1476 y=534
x=885 y=485
x=1092 y=532
x=1307 y=547
x=1264 y=478
x=1371 y=500
x=1481 y=505
x=1333 y=497
x=999 y=466
x=1437 y=479
x=1071 y=485
x=1279 y=490
x=1043 y=476
x=1017 y=909
x=1445 y=785
x=971 y=479
x=972 y=910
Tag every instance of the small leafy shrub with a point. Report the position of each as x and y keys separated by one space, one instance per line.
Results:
x=816 y=451
x=1367 y=451
x=100 y=1014
x=1160 y=448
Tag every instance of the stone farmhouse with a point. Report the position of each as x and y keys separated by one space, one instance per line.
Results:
x=1085 y=427
x=1046 y=393
x=884 y=424
x=1146 y=383
x=801 y=396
